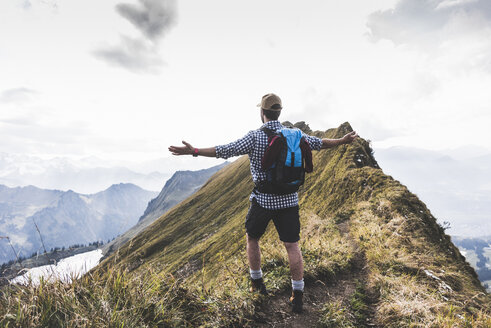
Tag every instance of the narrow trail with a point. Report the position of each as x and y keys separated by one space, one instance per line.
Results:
x=276 y=310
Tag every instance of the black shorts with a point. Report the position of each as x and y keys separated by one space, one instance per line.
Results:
x=286 y=221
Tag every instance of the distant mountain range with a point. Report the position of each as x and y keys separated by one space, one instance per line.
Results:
x=477 y=252
x=65 y=218
x=180 y=186
x=455 y=183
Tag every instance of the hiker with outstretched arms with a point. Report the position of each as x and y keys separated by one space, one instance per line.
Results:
x=273 y=197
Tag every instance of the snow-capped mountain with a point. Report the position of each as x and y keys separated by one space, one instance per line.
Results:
x=65 y=218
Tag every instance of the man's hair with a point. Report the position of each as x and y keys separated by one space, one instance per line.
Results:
x=272 y=114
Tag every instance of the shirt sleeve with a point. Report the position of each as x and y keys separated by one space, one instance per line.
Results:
x=314 y=142
x=239 y=147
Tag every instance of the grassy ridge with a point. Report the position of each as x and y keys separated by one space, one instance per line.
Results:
x=195 y=231
x=358 y=224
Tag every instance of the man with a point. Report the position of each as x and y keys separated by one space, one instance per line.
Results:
x=282 y=209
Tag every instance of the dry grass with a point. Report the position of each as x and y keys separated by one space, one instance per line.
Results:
x=113 y=299
x=420 y=279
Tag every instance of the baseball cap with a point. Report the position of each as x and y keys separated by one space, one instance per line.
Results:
x=270 y=101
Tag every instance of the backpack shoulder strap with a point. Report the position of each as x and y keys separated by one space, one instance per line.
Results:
x=273 y=150
x=307 y=155
x=268 y=132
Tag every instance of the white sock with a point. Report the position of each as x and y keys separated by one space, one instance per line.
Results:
x=298 y=284
x=256 y=274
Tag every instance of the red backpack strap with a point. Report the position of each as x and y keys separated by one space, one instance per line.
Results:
x=270 y=133
x=272 y=152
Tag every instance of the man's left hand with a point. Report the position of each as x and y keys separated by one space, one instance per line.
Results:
x=348 y=138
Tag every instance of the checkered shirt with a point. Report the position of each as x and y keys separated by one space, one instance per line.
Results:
x=254 y=144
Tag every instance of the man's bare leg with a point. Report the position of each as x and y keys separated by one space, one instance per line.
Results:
x=296 y=270
x=254 y=256
x=253 y=253
x=295 y=259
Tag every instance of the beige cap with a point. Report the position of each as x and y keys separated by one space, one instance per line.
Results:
x=270 y=102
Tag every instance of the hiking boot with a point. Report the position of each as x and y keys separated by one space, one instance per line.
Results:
x=296 y=300
x=258 y=286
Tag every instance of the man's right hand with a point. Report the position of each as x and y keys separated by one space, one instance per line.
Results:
x=187 y=149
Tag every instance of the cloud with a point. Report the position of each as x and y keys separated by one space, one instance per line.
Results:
x=153 y=18
x=317 y=108
x=28 y=4
x=34 y=135
x=22 y=120
x=374 y=130
x=16 y=95
x=456 y=32
x=429 y=22
x=136 y=55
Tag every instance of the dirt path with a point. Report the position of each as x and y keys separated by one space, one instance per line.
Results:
x=276 y=310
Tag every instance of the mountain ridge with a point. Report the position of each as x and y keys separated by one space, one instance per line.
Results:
x=386 y=225
x=192 y=180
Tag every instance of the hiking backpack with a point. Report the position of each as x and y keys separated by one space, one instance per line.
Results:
x=286 y=159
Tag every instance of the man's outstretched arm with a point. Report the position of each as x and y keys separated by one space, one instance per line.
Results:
x=348 y=138
x=187 y=149
x=239 y=147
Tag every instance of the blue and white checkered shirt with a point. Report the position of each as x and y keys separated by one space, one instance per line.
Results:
x=254 y=144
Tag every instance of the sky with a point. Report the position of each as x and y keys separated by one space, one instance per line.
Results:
x=123 y=80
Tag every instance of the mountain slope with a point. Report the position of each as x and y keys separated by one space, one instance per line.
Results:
x=180 y=186
x=354 y=219
x=374 y=257
x=457 y=191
